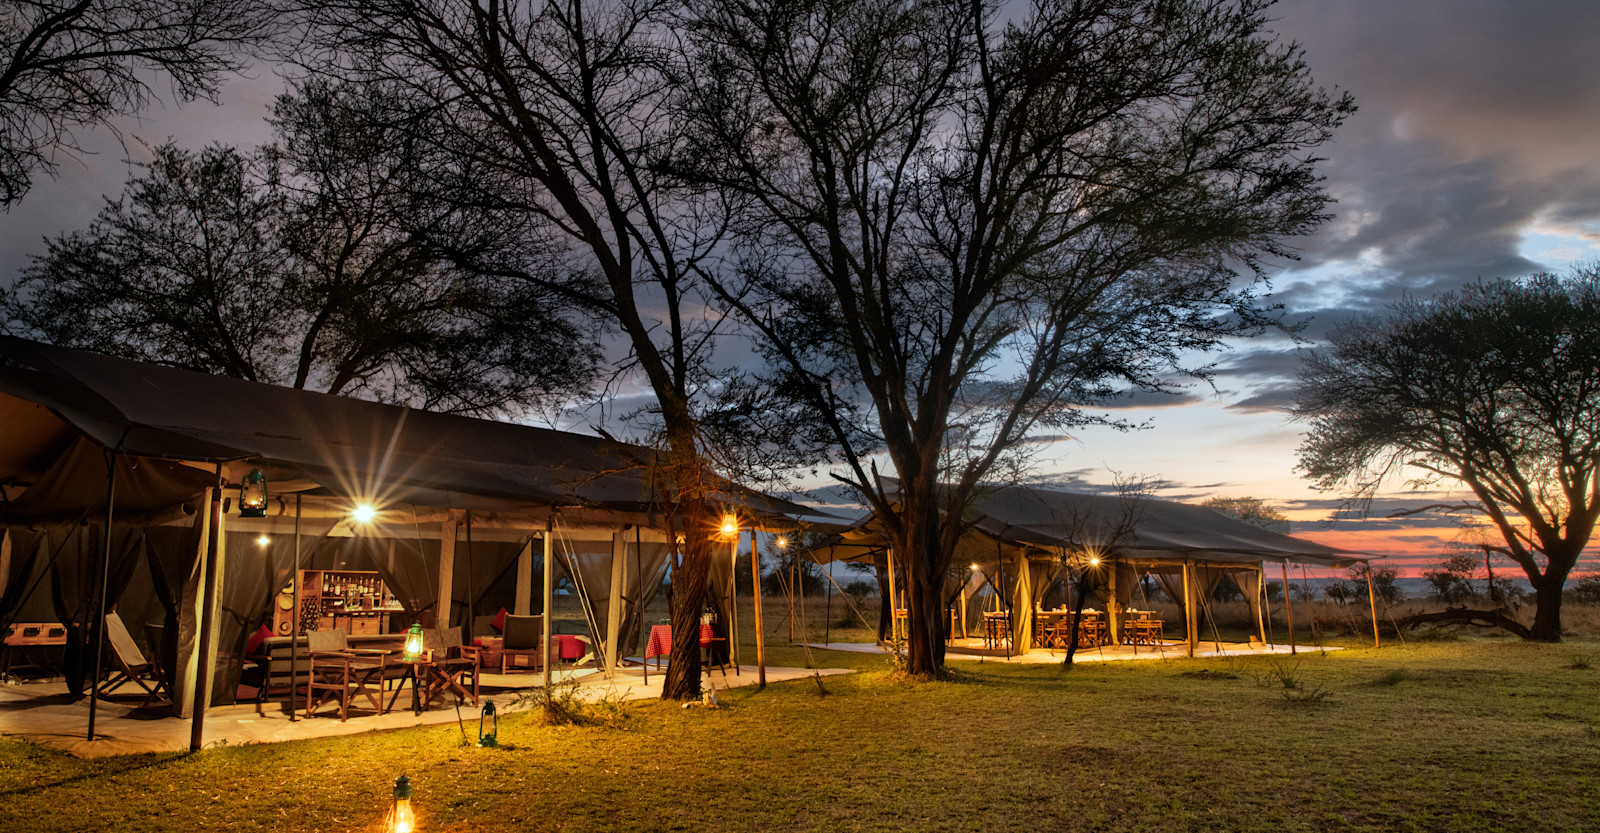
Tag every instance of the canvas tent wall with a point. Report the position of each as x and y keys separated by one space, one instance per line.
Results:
x=1019 y=538
x=79 y=423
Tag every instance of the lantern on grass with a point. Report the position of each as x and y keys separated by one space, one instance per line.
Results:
x=401 y=819
x=413 y=649
x=488 y=726
x=253 y=495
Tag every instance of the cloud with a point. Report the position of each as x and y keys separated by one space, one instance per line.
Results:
x=1476 y=120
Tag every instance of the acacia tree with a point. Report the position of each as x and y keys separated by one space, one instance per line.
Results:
x=304 y=264
x=563 y=110
x=1496 y=388
x=69 y=64
x=969 y=229
x=1252 y=510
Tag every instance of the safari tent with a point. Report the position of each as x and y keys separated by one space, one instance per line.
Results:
x=1023 y=544
x=121 y=493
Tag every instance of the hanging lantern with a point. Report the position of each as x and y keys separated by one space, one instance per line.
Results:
x=253 y=495
x=413 y=650
x=730 y=528
x=401 y=819
x=488 y=726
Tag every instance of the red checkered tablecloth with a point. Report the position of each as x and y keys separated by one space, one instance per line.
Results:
x=660 y=644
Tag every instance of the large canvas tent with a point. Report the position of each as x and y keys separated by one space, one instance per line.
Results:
x=113 y=473
x=1023 y=541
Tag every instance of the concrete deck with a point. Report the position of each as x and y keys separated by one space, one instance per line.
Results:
x=44 y=713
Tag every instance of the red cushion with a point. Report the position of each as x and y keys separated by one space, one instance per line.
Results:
x=256 y=639
x=499 y=621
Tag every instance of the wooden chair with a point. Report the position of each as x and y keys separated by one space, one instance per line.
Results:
x=452 y=666
x=341 y=673
x=523 y=648
x=131 y=665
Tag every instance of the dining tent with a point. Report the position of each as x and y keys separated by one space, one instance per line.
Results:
x=1021 y=541
x=117 y=480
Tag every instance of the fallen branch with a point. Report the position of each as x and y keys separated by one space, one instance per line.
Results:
x=1464 y=616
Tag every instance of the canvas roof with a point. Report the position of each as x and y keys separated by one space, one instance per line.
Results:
x=344 y=446
x=1144 y=529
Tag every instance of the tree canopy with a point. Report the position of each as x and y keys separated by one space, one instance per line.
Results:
x=969 y=225
x=1494 y=388
x=70 y=64
x=308 y=264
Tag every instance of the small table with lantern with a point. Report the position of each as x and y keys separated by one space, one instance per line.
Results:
x=413 y=658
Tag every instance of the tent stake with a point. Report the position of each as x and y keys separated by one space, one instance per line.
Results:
x=105 y=580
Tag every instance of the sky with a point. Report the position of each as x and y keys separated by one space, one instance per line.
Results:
x=1472 y=155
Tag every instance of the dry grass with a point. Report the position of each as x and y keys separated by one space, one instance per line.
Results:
x=1468 y=736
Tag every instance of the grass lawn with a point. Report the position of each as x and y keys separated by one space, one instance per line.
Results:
x=1487 y=735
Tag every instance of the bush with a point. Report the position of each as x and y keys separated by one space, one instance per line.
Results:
x=1585 y=588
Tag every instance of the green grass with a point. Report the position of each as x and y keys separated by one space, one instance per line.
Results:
x=1476 y=735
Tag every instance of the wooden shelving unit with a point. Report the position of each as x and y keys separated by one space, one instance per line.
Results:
x=354 y=600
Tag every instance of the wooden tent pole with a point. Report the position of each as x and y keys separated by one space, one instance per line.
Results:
x=733 y=605
x=105 y=579
x=1188 y=609
x=294 y=612
x=207 y=660
x=548 y=598
x=1288 y=606
x=619 y=577
x=894 y=600
x=1372 y=605
x=755 y=594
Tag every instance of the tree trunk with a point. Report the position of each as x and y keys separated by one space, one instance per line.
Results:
x=1547 y=612
x=924 y=570
x=689 y=583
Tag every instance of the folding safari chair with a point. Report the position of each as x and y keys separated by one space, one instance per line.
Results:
x=341 y=673
x=131 y=665
x=452 y=666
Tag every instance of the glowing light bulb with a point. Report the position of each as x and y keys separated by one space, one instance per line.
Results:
x=1094 y=561
x=364 y=513
x=730 y=527
x=783 y=543
x=263 y=541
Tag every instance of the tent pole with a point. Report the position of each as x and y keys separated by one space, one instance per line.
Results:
x=447 y=570
x=827 y=621
x=208 y=654
x=1188 y=609
x=1261 y=601
x=733 y=605
x=1372 y=604
x=619 y=575
x=105 y=579
x=472 y=590
x=1288 y=606
x=894 y=601
x=294 y=624
x=755 y=593
x=548 y=597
